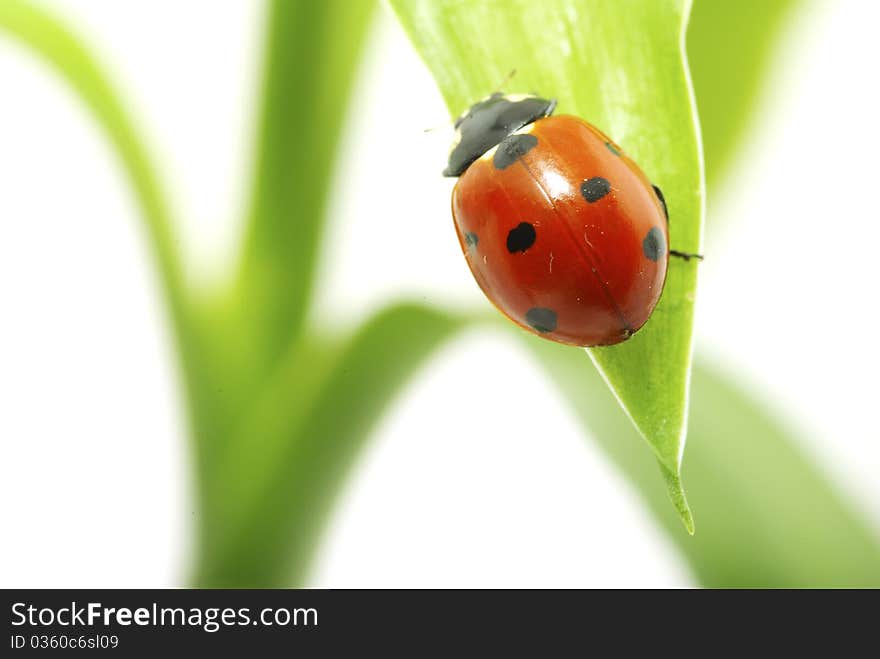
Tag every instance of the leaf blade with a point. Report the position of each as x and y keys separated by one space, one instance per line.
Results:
x=729 y=45
x=805 y=534
x=283 y=519
x=310 y=61
x=620 y=65
x=70 y=57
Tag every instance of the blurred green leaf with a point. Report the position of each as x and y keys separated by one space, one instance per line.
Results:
x=620 y=65
x=769 y=517
x=251 y=328
x=729 y=46
x=311 y=57
x=69 y=57
x=252 y=334
x=317 y=439
x=237 y=344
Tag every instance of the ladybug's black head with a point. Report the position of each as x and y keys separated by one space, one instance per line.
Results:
x=488 y=122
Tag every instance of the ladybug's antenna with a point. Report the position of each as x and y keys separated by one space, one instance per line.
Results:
x=507 y=79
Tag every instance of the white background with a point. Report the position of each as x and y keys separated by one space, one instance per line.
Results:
x=93 y=459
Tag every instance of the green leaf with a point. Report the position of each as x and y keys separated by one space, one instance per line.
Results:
x=620 y=65
x=312 y=441
x=70 y=58
x=251 y=332
x=769 y=516
x=729 y=45
x=312 y=53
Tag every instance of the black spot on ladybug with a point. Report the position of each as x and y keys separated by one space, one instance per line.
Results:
x=659 y=193
x=521 y=238
x=541 y=320
x=512 y=149
x=595 y=188
x=613 y=149
x=654 y=244
x=471 y=240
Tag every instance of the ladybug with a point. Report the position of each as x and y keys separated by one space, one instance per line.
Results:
x=561 y=230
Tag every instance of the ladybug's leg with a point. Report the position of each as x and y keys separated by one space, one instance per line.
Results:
x=687 y=256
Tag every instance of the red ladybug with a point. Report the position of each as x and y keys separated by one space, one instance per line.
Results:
x=561 y=230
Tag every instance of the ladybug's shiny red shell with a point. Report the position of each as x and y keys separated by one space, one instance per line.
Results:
x=562 y=231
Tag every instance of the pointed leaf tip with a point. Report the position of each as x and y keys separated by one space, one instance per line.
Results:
x=675 y=489
x=633 y=54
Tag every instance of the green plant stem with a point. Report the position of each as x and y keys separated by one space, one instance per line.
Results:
x=310 y=62
x=313 y=447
